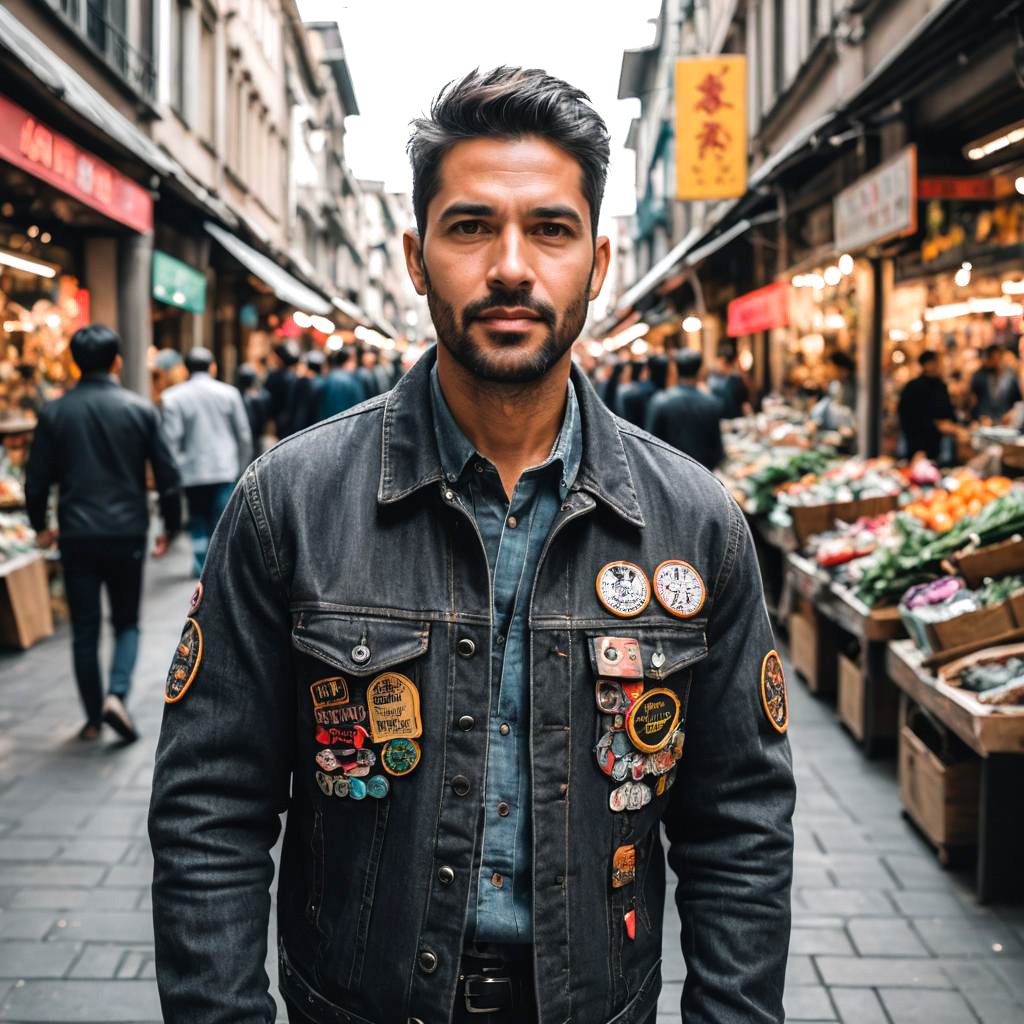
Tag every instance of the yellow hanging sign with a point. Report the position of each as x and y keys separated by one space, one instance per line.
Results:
x=711 y=127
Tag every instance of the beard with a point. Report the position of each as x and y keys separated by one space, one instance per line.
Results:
x=515 y=362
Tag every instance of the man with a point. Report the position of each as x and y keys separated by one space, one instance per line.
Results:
x=994 y=387
x=366 y=372
x=280 y=382
x=256 y=400
x=836 y=411
x=304 y=405
x=631 y=400
x=208 y=429
x=94 y=444
x=728 y=385
x=925 y=410
x=342 y=389
x=687 y=418
x=405 y=615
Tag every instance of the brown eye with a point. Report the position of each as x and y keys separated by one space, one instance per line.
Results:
x=554 y=230
x=468 y=227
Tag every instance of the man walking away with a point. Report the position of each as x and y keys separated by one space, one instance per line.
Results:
x=728 y=385
x=256 y=400
x=342 y=390
x=209 y=434
x=631 y=401
x=686 y=417
x=279 y=384
x=925 y=410
x=304 y=409
x=94 y=443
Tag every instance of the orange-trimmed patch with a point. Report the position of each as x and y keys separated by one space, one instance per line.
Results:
x=623 y=589
x=185 y=663
x=773 y=692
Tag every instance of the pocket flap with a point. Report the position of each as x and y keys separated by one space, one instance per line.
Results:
x=359 y=646
x=662 y=651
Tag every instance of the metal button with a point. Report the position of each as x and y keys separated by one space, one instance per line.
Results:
x=466 y=722
x=566 y=506
x=461 y=785
x=499 y=639
x=360 y=654
x=511 y=522
x=449 y=494
x=503 y=809
x=445 y=875
x=466 y=647
x=658 y=659
x=427 y=961
x=504 y=729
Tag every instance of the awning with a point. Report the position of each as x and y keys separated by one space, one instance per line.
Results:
x=657 y=273
x=351 y=310
x=284 y=286
x=70 y=87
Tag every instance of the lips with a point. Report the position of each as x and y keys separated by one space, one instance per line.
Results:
x=509 y=319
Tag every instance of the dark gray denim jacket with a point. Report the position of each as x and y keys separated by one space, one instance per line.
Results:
x=344 y=553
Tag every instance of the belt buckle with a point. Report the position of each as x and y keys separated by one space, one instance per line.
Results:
x=470 y=995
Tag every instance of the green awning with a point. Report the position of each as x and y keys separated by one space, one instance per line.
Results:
x=178 y=284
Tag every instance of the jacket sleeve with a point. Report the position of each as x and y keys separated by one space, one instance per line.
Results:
x=728 y=822
x=40 y=472
x=221 y=780
x=166 y=476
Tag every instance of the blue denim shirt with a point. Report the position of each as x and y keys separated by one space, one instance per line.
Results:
x=513 y=533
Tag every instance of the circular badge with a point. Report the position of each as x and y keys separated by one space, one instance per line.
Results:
x=400 y=756
x=679 y=588
x=652 y=719
x=356 y=789
x=378 y=786
x=773 y=692
x=623 y=588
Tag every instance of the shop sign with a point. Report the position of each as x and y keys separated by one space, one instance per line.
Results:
x=759 y=311
x=965 y=189
x=178 y=284
x=29 y=144
x=881 y=205
x=711 y=127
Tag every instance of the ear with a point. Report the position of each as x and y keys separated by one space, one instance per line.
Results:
x=414 y=261
x=602 y=258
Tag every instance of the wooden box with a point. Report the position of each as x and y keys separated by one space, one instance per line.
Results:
x=25 y=614
x=979 y=625
x=851 y=696
x=993 y=560
x=940 y=798
x=811 y=519
x=803 y=647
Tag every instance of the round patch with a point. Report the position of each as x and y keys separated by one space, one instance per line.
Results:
x=773 y=692
x=356 y=789
x=652 y=719
x=679 y=588
x=400 y=756
x=341 y=785
x=377 y=786
x=623 y=589
x=185 y=663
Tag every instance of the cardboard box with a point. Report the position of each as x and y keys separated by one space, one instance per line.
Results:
x=803 y=647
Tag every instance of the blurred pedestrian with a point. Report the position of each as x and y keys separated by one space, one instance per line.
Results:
x=366 y=373
x=208 y=430
x=994 y=387
x=631 y=399
x=94 y=444
x=256 y=400
x=686 y=417
x=304 y=404
x=342 y=389
x=925 y=410
x=836 y=411
x=728 y=385
x=279 y=383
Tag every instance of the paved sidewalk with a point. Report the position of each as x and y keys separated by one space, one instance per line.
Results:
x=881 y=933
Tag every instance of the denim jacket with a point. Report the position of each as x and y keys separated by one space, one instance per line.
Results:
x=345 y=554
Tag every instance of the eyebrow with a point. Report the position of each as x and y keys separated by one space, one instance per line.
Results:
x=556 y=213
x=537 y=213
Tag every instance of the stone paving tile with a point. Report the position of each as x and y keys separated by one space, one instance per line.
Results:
x=858 y=1006
x=808 y=1002
x=880 y=936
x=874 y=972
x=97 y=926
x=35 y=959
x=820 y=940
x=26 y=924
x=75 y=899
x=956 y=936
x=83 y=1002
x=905 y=1006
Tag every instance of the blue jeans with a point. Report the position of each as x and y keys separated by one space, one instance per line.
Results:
x=206 y=502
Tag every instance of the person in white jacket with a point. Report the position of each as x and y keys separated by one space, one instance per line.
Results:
x=207 y=427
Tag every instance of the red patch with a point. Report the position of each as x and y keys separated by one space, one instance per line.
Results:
x=197 y=597
x=630 y=920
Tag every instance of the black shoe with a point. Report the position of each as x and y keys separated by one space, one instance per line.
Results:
x=115 y=714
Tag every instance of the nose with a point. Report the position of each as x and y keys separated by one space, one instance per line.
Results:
x=510 y=268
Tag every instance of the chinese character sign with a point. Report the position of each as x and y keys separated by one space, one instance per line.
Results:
x=711 y=127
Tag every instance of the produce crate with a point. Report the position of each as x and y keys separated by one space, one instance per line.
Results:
x=1016 y=602
x=811 y=519
x=979 y=625
x=939 y=792
x=25 y=615
x=993 y=560
x=858 y=704
x=851 y=696
x=811 y=648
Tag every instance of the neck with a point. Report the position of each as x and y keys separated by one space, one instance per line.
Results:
x=688 y=382
x=512 y=425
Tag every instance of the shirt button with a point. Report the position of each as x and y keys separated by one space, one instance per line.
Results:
x=427 y=961
x=466 y=647
x=499 y=639
x=445 y=875
x=360 y=654
x=497 y=881
x=466 y=722
x=511 y=522
x=503 y=809
x=504 y=729
x=460 y=784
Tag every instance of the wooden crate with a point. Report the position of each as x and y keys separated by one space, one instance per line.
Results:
x=964 y=629
x=25 y=614
x=940 y=798
x=851 y=696
x=993 y=560
x=812 y=648
x=811 y=519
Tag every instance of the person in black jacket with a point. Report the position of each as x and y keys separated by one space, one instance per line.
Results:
x=94 y=444
x=687 y=418
x=925 y=410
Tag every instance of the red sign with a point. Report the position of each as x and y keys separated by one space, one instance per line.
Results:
x=759 y=311
x=30 y=145
x=978 y=188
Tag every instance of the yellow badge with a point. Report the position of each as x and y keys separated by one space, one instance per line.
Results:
x=652 y=720
x=773 y=692
x=394 y=708
x=679 y=588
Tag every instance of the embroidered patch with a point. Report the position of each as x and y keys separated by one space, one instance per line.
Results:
x=329 y=699
x=652 y=719
x=679 y=588
x=197 y=597
x=623 y=589
x=623 y=866
x=185 y=663
x=773 y=692
x=394 y=705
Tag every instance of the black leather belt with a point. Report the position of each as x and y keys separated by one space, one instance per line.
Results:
x=497 y=983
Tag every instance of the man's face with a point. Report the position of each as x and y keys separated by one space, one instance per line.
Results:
x=508 y=263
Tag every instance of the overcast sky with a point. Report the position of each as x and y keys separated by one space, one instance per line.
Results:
x=400 y=53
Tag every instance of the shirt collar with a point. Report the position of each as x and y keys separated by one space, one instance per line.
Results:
x=456 y=450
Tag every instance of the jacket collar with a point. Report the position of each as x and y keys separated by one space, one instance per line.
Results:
x=410 y=460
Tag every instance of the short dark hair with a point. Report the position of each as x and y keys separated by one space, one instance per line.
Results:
x=840 y=359
x=927 y=357
x=689 y=362
x=727 y=351
x=198 y=360
x=993 y=350
x=508 y=103
x=314 y=359
x=288 y=352
x=657 y=366
x=94 y=348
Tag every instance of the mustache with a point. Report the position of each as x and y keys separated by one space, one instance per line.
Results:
x=501 y=297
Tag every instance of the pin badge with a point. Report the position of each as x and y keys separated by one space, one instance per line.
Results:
x=356 y=789
x=614 y=723
x=377 y=786
x=679 y=588
x=675 y=744
x=341 y=786
x=618 y=657
x=185 y=663
x=325 y=782
x=630 y=921
x=623 y=866
x=623 y=589
x=630 y=796
x=652 y=720
x=660 y=789
x=394 y=706
x=632 y=690
x=660 y=763
x=610 y=698
x=357 y=771
x=327 y=760
x=400 y=756
x=621 y=745
x=773 y=692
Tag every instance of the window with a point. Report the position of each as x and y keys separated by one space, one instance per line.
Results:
x=812 y=20
x=178 y=48
x=207 y=105
x=779 y=54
